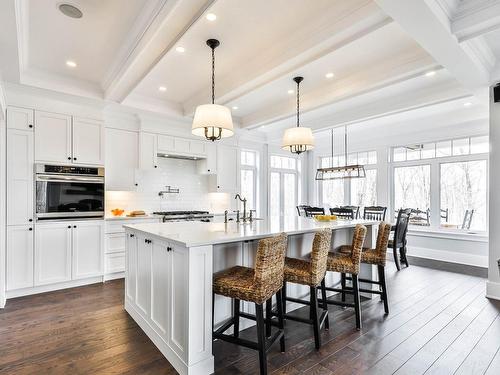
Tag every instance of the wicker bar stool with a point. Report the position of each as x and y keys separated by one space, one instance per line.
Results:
x=310 y=273
x=347 y=263
x=376 y=257
x=256 y=285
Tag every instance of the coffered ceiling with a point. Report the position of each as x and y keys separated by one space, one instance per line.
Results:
x=381 y=53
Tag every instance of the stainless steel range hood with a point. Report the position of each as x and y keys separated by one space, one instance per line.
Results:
x=182 y=157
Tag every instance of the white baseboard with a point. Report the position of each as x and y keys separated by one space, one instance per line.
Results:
x=493 y=290
x=114 y=276
x=446 y=256
x=53 y=287
x=2 y=302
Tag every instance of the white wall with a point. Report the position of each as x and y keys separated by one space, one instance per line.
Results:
x=493 y=285
x=2 y=196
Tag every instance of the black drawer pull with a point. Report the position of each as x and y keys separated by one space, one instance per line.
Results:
x=69 y=226
x=30 y=229
x=131 y=235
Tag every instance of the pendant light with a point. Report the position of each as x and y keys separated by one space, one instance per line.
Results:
x=346 y=171
x=298 y=139
x=212 y=121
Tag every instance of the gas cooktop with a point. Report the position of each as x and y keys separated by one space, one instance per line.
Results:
x=181 y=213
x=185 y=215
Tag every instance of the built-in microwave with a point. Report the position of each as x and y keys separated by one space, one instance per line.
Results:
x=64 y=192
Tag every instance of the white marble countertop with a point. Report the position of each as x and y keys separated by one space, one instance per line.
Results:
x=194 y=233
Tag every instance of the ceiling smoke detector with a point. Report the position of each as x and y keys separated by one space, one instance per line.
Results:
x=70 y=10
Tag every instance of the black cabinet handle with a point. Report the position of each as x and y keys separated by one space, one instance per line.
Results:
x=74 y=226
x=131 y=235
x=30 y=220
x=69 y=157
x=156 y=166
x=136 y=184
x=30 y=228
x=208 y=170
x=74 y=158
x=30 y=126
x=69 y=226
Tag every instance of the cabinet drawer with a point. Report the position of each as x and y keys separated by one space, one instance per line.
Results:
x=115 y=243
x=114 y=262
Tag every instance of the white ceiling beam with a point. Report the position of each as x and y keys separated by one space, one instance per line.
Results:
x=475 y=17
x=395 y=70
x=403 y=101
x=419 y=20
x=162 y=25
x=273 y=64
x=10 y=58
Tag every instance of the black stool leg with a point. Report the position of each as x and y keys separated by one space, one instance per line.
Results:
x=281 y=319
x=269 y=307
x=381 y=278
x=236 y=316
x=283 y=297
x=314 y=311
x=396 y=258
x=343 y=284
x=261 y=338
x=357 y=303
x=325 y=305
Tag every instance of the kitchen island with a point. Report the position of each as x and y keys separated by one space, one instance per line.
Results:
x=169 y=269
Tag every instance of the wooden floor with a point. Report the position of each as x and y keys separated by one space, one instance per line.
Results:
x=440 y=323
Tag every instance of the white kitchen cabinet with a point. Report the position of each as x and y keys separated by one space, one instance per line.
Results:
x=166 y=143
x=122 y=156
x=226 y=179
x=52 y=137
x=19 y=263
x=156 y=275
x=208 y=165
x=20 y=118
x=53 y=253
x=19 y=177
x=88 y=249
x=148 y=150
x=88 y=141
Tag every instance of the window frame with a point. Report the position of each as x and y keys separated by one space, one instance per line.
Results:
x=255 y=169
x=282 y=171
x=435 y=190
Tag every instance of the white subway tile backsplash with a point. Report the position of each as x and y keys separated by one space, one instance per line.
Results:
x=180 y=174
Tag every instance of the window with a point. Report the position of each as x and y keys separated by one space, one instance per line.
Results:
x=364 y=190
x=463 y=187
x=455 y=147
x=412 y=189
x=248 y=178
x=284 y=183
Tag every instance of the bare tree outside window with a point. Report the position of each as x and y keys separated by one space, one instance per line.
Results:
x=412 y=187
x=463 y=187
x=364 y=190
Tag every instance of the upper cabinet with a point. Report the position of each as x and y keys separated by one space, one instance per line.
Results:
x=88 y=141
x=122 y=148
x=226 y=179
x=148 y=150
x=52 y=137
x=63 y=139
x=20 y=118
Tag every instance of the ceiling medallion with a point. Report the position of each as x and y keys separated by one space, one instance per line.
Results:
x=212 y=121
x=298 y=139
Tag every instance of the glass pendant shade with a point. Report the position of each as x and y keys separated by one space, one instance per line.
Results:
x=298 y=140
x=212 y=121
x=338 y=173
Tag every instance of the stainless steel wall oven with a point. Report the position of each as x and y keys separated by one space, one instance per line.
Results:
x=64 y=192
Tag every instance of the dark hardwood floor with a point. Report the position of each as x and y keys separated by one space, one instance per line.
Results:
x=440 y=323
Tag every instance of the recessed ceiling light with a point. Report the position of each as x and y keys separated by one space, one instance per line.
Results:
x=329 y=75
x=70 y=10
x=235 y=107
x=290 y=92
x=71 y=64
x=430 y=74
x=263 y=127
x=180 y=49
x=467 y=104
x=162 y=88
x=211 y=17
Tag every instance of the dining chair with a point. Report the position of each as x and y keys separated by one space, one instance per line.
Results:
x=311 y=211
x=399 y=240
x=301 y=209
x=420 y=217
x=374 y=213
x=355 y=210
x=344 y=213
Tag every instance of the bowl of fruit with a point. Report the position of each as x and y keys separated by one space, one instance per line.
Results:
x=117 y=212
x=325 y=218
